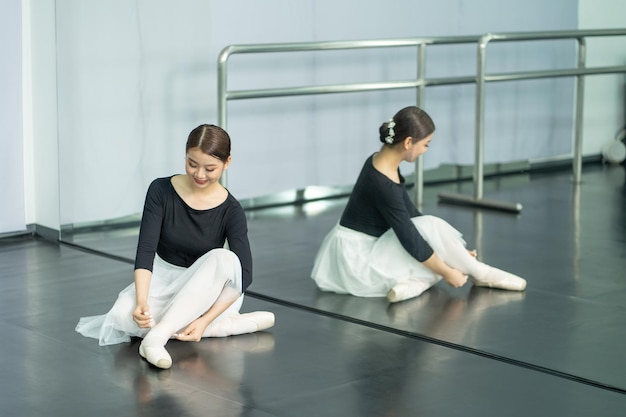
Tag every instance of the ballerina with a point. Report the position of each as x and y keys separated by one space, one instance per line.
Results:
x=382 y=245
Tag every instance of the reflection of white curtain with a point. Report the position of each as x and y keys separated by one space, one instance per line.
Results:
x=12 y=217
x=136 y=77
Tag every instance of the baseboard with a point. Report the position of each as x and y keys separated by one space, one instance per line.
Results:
x=47 y=233
x=29 y=231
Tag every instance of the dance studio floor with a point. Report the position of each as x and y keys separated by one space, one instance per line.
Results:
x=558 y=349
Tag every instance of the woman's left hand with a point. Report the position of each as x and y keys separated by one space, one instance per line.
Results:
x=193 y=332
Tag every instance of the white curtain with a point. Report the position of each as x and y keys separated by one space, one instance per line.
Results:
x=12 y=217
x=136 y=76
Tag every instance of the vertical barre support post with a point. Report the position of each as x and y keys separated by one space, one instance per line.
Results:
x=418 y=182
x=578 y=115
x=480 y=117
x=221 y=99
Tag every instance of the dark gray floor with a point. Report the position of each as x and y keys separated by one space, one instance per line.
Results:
x=556 y=349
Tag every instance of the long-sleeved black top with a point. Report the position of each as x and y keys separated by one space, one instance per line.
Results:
x=181 y=234
x=377 y=204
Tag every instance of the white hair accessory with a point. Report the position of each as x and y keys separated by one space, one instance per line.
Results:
x=390 y=125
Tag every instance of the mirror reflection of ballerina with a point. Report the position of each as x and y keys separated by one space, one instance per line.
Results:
x=382 y=245
x=187 y=285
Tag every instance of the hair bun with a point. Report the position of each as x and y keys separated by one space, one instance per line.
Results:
x=387 y=134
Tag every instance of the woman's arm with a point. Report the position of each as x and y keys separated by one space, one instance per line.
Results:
x=141 y=314
x=151 y=224
x=397 y=209
x=453 y=277
x=149 y=232
x=237 y=236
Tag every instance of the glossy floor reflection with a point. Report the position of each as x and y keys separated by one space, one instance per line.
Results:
x=556 y=349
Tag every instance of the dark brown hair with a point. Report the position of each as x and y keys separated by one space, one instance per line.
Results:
x=410 y=121
x=211 y=139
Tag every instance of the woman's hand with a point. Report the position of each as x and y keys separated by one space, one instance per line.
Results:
x=455 y=278
x=142 y=316
x=473 y=253
x=193 y=332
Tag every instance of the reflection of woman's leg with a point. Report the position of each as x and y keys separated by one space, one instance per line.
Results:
x=449 y=245
x=451 y=248
x=209 y=287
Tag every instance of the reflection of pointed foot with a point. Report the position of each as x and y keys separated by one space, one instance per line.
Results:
x=497 y=278
x=156 y=355
x=481 y=298
x=405 y=290
x=259 y=342
x=252 y=342
x=263 y=319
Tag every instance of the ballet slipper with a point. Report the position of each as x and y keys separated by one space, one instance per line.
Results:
x=156 y=355
x=405 y=290
x=240 y=324
x=497 y=278
x=263 y=319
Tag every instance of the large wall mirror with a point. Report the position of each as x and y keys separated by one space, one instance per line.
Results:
x=135 y=77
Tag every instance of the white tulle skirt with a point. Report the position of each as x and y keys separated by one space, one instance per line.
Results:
x=117 y=326
x=351 y=262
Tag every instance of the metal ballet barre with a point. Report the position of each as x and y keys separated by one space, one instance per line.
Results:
x=420 y=82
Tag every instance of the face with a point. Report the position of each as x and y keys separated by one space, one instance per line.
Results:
x=203 y=170
x=418 y=148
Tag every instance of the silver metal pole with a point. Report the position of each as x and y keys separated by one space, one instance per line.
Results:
x=421 y=89
x=578 y=117
x=480 y=116
x=480 y=79
x=530 y=75
x=222 y=73
x=478 y=176
x=221 y=98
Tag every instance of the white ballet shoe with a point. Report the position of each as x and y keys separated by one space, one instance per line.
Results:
x=405 y=290
x=240 y=324
x=156 y=355
x=263 y=319
x=497 y=278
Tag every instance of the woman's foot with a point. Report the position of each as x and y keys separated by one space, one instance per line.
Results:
x=240 y=324
x=263 y=319
x=497 y=278
x=405 y=290
x=156 y=355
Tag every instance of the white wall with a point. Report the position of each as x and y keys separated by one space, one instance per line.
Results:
x=29 y=171
x=160 y=79
x=605 y=95
x=42 y=171
x=12 y=207
x=135 y=80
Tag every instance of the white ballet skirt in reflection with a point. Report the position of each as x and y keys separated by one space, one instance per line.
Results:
x=117 y=326
x=351 y=262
